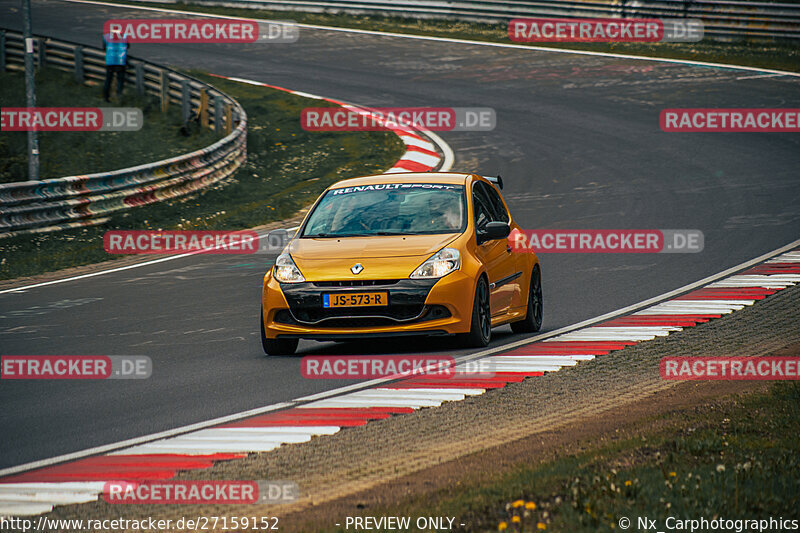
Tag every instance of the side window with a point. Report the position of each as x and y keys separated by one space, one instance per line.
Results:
x=481 y=206
x=499 y=210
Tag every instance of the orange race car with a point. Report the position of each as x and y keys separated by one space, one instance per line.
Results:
x=402 y=254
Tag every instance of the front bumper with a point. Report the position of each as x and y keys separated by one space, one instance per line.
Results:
x=421 y=307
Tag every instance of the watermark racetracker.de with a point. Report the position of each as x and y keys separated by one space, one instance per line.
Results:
x=607 y=241
x=216 y=30
x=425 y=367
x=171 y=242
x=724 y=120
x=75 y=367
x=605 y=30
x=351 y=118
x=71 y=119
x=730 y=368
x=193 y=492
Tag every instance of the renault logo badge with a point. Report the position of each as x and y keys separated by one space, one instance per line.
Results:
x=357 y=268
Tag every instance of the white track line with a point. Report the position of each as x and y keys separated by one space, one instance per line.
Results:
x=452 y=40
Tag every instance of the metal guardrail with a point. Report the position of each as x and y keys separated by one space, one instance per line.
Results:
x=53 y=204
x=722 y=19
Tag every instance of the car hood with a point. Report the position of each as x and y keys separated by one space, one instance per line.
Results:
x=385 y=257
x=346 y=248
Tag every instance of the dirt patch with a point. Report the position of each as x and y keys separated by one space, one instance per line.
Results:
x=643 y=416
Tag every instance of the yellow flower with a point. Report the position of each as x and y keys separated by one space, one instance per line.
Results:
x=628 y=483
x=530 y=505
x=502 y=526
x=518 y=503
x=541 y=525
x=515 y=519
x=672 y=474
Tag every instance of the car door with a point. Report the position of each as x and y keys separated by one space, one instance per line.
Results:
x=496 y=255
x=513 y=284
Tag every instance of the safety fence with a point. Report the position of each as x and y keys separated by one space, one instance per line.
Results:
x=722 y=19
x=53 y=204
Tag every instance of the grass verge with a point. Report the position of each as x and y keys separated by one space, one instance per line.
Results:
x=762 y=55
x=159 y=138
x=737 y=459
x=287 y=168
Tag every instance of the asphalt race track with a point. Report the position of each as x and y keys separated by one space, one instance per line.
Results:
x=577 y=142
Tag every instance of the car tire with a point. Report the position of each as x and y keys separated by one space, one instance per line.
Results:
x=276 y=346
x=480 y=332
x=533 y=317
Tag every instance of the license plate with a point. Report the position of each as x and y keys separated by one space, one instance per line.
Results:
x=355 y=299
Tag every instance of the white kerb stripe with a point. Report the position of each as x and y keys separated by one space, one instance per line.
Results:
x=423 y=159
x=413 y=141
x=61 y=498
x=566 y=361
x=409 y=394
x=23 y=508
x=526 y=367
x=189 y=449
x=223 y=436
x=789 y=257
x=467 y=390
x=342 y=401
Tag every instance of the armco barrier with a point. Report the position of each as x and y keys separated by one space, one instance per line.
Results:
x=722 y=19
x=52 y=204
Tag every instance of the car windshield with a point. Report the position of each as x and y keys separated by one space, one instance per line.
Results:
x=388 y=209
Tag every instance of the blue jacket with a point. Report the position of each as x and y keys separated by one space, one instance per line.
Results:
x=116 y=52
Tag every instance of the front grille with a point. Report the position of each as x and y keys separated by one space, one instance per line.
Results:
x=406 y=302
x=356 y=283
x=395 y=312
x=362 y=317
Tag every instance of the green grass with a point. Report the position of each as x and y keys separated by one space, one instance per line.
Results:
x=755 y=54
x=738 y=462
x=286 y=169
x=76 y=153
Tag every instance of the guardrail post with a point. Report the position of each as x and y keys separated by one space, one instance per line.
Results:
x=164 y=91
x=228 y=119
x=78 y=53
x=2 y=51
x=218 y=114
x=139 y=70
x=203 y=111
x=186 y=101
x=42 y=52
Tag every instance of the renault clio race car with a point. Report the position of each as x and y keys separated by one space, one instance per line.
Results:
x=402 y=254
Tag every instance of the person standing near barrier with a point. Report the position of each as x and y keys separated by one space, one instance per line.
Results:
x=116 y=48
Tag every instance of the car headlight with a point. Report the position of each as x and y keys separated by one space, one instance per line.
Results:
x=286 y=271
x=439 y=264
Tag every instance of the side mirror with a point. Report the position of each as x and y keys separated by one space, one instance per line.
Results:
x=493 y=231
